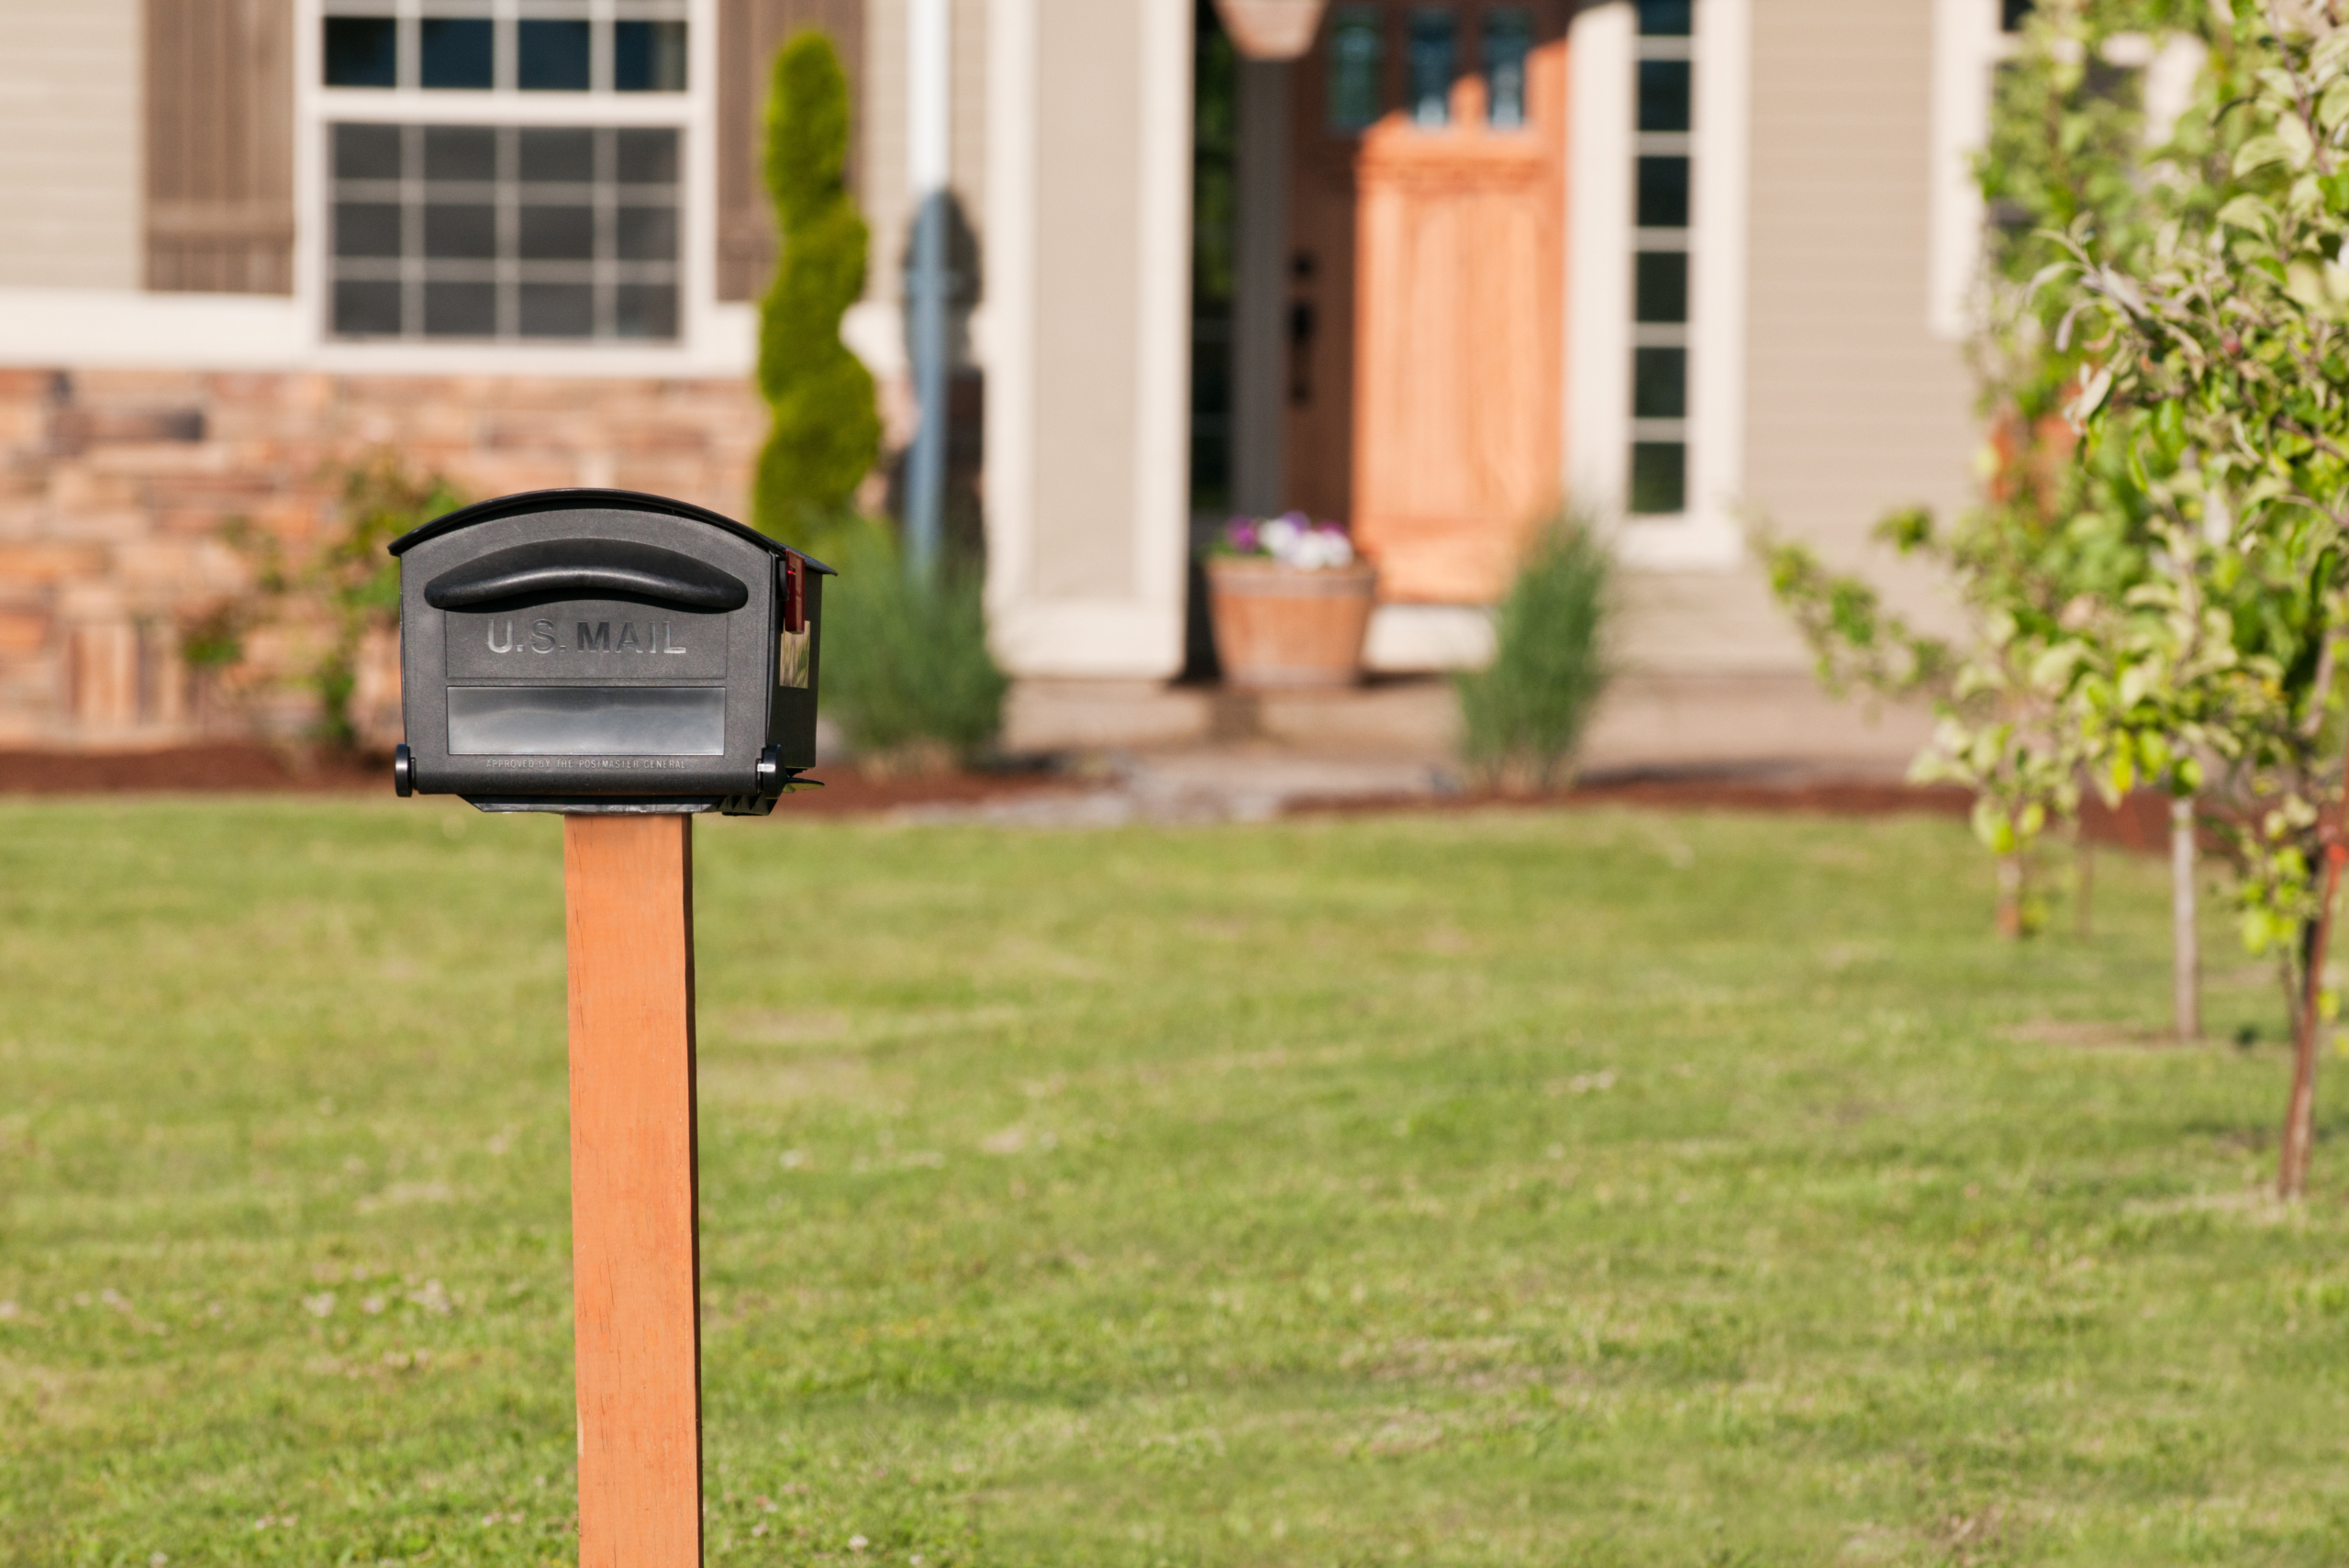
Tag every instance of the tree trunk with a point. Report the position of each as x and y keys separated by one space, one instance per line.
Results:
x=2300 y=1112
x=2185 y=946
x=2010 y=891
x=2083 y=883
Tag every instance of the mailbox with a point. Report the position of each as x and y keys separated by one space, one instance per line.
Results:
x=598 y=651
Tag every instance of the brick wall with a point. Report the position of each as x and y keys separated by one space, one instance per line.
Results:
x=115 y=487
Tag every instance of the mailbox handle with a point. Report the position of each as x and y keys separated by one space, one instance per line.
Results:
x=585 y=568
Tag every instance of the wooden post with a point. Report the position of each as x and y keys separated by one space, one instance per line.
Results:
x=635 y=1241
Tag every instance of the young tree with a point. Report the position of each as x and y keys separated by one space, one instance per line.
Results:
x=2067 y=147
x=2217 y=349
x=825 y=431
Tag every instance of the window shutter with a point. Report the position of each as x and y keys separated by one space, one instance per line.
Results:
x=220 y=146
x=749 y=33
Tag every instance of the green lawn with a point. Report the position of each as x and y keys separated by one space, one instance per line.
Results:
x=1515 y=1188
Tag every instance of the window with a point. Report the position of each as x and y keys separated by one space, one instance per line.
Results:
x=1664 y=118
x=517 y=214
x=503 y=232
x=1508 y=40
x=1435 y=60
x=1356 y=98
x=562 y=46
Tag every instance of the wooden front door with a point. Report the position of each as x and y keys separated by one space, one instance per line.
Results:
x=1450 y=120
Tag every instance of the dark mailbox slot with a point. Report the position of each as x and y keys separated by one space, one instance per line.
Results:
x=588 y=650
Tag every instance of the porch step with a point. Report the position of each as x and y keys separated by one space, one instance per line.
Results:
x=1776 y=722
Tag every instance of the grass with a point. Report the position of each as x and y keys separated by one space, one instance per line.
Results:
x=1512 y=1188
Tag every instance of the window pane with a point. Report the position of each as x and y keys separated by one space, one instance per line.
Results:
x=649 y=57
x=1659 y=478
x=648 y=233
x=1356 y=99
x=366 y=228
x=1664 y=193
x=1663 y=286
x=558 y=233
x=550 y=57
x=1659 y=384
x=456 y=51
x=1508 y=39
x=362 y=51
x=568 y=155
x=1664 y=94
x=646 y=310
x=367 y=152
x=369 y=309
x=464 y=231
x=558 y=310
x=460 y=310
x=1666 y=19
x=459 y=152
x=648 y=156
x=1434 y=59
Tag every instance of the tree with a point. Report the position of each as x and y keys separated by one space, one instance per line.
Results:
x=2216 y=352
x=2066 y=150
x=826 y=432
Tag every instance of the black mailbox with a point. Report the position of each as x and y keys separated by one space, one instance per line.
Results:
x=598 y=651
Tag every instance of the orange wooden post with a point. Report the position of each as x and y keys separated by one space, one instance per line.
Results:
x=635 y=1241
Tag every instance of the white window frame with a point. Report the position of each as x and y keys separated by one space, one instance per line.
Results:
x=711 y=338
x=1603 y=142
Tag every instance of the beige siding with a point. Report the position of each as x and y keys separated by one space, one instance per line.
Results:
x=1852 y=407
x=1088 y=297
x=70 y=172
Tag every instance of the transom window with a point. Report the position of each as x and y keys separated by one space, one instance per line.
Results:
x=1437 y=45
x=543 y=45
x=503 y=232
x=1663 y=96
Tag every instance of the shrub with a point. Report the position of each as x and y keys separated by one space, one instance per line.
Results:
x=906 y=663
x=335 y=598
x=825 y=431
x=1524 y=714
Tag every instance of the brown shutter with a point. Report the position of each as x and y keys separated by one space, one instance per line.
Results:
x=220 y=146
x=749 y=33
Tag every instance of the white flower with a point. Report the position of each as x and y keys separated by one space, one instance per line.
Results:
x=857 y=1543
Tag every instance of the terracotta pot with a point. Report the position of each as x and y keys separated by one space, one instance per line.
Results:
x=1269 y=29
x=1281 y=627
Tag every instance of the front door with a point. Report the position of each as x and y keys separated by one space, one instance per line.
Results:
x=1449 y=121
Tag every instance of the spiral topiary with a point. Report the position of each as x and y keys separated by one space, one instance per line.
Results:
x=825 y=431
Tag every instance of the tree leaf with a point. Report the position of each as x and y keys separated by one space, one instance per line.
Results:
x=2258 y=152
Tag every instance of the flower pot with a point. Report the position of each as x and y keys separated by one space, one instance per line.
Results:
x=1283 y=626
x=1269 y=29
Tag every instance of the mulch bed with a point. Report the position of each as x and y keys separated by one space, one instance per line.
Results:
x=246 y=767
x=2140 y=823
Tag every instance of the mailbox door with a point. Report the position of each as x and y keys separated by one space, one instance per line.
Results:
x=587 y=652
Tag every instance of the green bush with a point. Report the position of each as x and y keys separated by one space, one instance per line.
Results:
x=905 y=664
x=827 y=431
x=1523 y=714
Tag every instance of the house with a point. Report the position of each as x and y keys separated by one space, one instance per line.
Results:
x=1693 y=262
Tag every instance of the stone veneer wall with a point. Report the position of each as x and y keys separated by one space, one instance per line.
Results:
x=115 y=487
